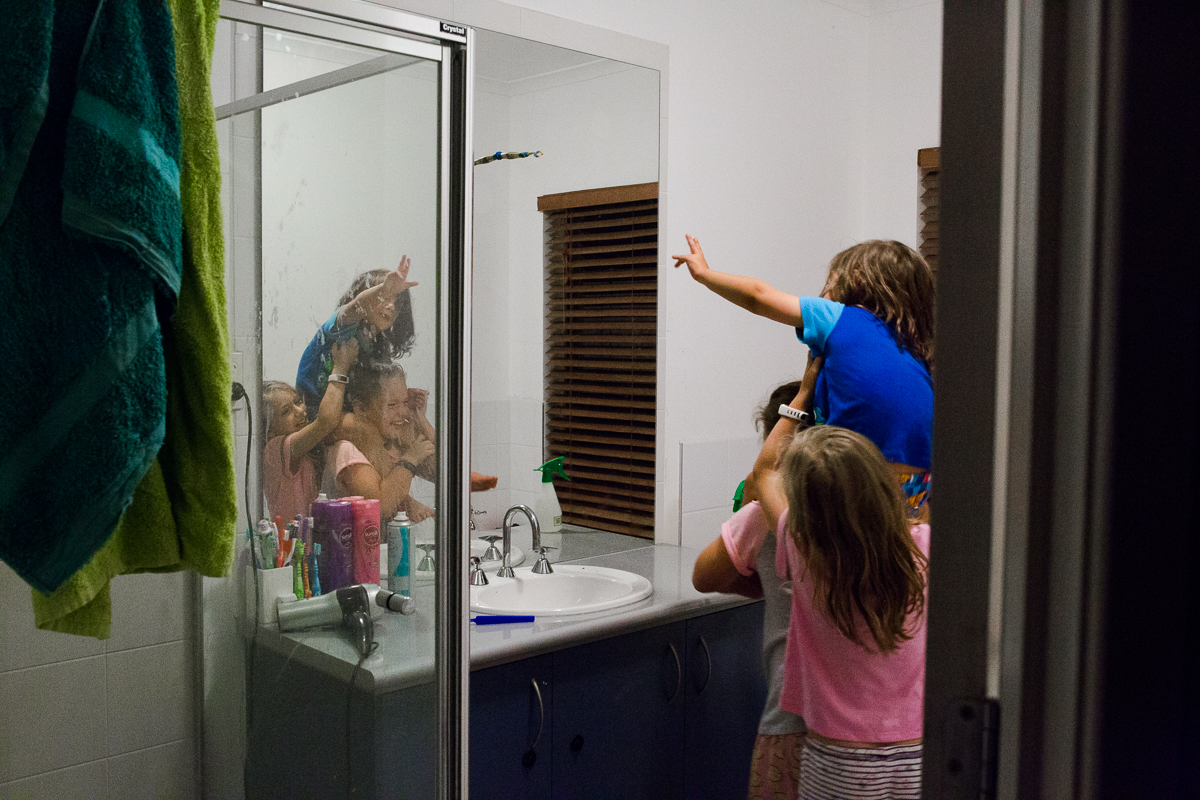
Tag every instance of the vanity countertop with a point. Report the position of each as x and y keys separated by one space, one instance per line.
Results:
x=405 y=653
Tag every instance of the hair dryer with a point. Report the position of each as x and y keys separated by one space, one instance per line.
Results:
x=350 y=606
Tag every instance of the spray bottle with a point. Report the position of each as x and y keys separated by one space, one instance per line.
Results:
x=549 y=512
x=399 y=535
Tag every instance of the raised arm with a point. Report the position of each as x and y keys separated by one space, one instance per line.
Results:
x=785 y=428
x=393 y=285
x=329 y=413
x=756 y=296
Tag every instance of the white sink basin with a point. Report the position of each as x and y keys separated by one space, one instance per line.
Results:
x=570 y=589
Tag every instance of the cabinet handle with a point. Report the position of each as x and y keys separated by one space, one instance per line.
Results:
x=541 y=714
x=678 y=671
x=708 y=662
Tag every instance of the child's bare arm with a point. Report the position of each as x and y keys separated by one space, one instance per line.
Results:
x=367 y=439
x=394 y=284
x=757 y=297
x=329 y=413
x=715 y=572
x=786 y=427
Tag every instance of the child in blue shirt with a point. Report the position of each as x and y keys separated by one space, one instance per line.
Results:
x=873 y=326
x=377 y=311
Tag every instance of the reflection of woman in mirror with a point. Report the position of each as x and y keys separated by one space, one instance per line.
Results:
x=377 y=311
x=389 y=442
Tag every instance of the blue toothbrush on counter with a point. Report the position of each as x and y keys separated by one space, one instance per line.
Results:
x=500 y=619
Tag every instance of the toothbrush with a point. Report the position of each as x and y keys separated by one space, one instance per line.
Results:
x=316 y=577
x=303 y=556
x=298 y=571
x=500 y=619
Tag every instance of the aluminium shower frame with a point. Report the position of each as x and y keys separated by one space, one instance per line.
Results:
x=407 y=36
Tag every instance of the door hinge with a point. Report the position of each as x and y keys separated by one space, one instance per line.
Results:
x=973 y=740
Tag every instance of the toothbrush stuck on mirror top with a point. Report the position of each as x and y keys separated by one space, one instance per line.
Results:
x=500 y=619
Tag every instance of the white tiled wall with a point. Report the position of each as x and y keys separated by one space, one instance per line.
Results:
x=506 y=441
x=82 y=717
x=709 y=475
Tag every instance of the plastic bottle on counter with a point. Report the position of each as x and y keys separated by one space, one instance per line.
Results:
x=400 y=554
x=366 y=540
x=547 y=508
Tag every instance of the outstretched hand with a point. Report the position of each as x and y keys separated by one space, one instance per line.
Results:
x=396 y=282
x=694 y=260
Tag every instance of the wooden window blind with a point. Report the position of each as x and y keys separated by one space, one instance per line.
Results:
x=928 y=162
x=601 y=337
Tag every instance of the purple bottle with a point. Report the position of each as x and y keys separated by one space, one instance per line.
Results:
x=333 y=529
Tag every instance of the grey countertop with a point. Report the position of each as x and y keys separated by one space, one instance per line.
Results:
x=406 y=643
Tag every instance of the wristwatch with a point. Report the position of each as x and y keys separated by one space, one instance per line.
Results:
x=800 y=416
x=408 y=465
x=336 y=378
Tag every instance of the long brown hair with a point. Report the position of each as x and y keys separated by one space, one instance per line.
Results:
x=894 y=283
x=396 y=341
x=847 y=520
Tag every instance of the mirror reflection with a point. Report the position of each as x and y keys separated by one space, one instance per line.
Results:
x=596 y=123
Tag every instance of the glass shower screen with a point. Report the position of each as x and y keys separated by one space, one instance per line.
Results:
x=345 y=188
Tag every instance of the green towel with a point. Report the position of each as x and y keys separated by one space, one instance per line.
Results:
x=184 y=511
x=81 y=313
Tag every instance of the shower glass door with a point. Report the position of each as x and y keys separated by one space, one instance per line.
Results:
x=345 y=186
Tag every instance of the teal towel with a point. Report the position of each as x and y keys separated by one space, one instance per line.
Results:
x=90 y=255
x=184 y=510
x=25 y=63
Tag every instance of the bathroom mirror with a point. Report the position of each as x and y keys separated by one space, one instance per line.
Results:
x=596 y=123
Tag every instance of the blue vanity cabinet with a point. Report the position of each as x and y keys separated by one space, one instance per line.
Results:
x=511 y=731
x=724 y=694
x=618 y=716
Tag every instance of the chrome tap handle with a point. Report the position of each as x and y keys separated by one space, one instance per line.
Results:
x=478 y=576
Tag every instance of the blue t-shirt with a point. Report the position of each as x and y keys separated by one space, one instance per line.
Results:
x=869 y=383
x=312 y=376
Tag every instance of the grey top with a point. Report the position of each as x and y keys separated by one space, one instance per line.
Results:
x=777 y=613
x=406 y=649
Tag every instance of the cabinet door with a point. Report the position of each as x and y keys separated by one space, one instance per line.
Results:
x=618 y=717
x=725 y=691
x=511 y=730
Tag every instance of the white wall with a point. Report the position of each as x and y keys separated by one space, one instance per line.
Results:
x=597 y=125
x=903 y=107
x=81 y=717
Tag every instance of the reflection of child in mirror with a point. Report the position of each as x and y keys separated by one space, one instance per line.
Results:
x=289 y=474
x=387 y=442
x=377 y=311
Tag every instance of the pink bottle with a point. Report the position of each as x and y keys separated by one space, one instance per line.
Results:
x=366 y=541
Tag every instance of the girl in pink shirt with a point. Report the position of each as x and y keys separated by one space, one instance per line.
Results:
x=289 y=474
x=855 y=661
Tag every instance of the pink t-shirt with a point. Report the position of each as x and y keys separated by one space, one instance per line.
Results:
x=337 y=458
x=288 y=493
x=743 y=534
x=842 y=690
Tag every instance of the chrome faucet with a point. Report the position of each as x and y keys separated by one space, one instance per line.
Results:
x=542 y=567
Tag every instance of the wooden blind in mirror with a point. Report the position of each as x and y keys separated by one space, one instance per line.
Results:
x=601 y=333
x=928 y=162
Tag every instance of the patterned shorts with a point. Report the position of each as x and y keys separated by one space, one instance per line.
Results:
x=775 y=766
x=831 y=772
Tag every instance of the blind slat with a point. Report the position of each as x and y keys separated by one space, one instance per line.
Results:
x=601 y=266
